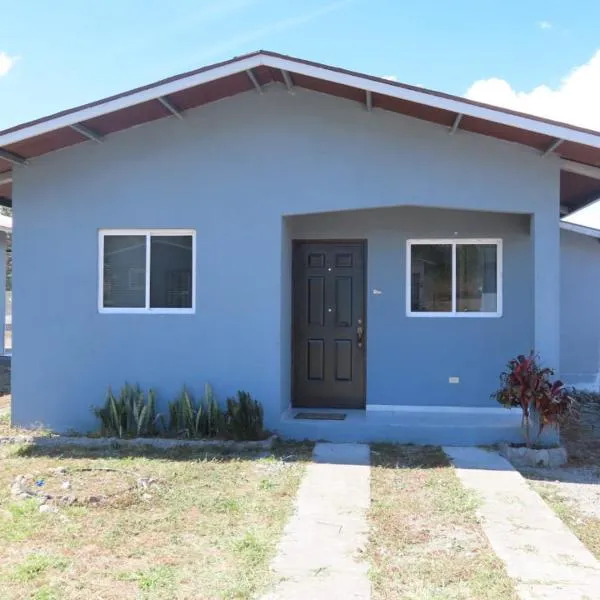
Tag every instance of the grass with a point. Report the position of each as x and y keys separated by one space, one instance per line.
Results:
x=586 y=528
x=426 y=542
x=207 y=529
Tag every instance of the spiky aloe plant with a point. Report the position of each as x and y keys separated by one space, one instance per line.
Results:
x=245 y=417
x=214 y=420
x=111 y=416
x=182 y=412
x=129 y=414
x=202 y=419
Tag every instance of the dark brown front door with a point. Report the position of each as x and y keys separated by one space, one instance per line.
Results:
x=328 y=325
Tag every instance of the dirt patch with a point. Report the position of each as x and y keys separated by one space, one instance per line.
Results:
x=83 y=486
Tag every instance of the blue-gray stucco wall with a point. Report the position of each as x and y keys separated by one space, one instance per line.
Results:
x=580 y=310
x=240 y=172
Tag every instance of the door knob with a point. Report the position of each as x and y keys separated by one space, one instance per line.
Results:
x=360 y=332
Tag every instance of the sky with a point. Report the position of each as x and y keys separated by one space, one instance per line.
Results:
x=538 y=56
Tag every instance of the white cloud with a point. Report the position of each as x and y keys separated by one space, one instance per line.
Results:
x=6 y=63
x=391 y=77
x=574 y=100
x=545 y=25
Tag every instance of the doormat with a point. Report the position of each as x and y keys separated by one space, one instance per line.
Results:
x=321 y=416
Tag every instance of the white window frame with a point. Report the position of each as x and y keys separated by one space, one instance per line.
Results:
x=454 y=242
x=148 y=233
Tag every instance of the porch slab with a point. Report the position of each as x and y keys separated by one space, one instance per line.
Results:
x=468 y=427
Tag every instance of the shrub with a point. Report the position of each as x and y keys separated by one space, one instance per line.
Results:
x=528 y=385
x=245 y=417
x=202 y=419
x=132 y=413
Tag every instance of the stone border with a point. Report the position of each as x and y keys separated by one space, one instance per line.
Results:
x=158 y=443
x=532 y=457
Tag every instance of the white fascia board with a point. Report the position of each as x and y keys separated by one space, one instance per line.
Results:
x=582 y=229
x=324 y=73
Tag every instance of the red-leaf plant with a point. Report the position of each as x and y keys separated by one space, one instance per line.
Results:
x=528 y=385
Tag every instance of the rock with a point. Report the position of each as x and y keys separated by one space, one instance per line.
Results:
x=95 y=499
x=541 y=457
x=532 y=457
x=65 y=485
x=69 y=500
x=146 y=482
x=146 y=497
x=47 y=508
x=17 y=489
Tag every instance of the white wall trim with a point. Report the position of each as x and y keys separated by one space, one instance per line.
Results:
x=148 y=233
x=454 y=242
x=415 y=408
x=359 y=81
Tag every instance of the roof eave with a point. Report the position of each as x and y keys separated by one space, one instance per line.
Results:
x=582 y=229
x=374 y=85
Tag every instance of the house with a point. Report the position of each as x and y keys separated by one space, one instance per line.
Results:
x=331 y=242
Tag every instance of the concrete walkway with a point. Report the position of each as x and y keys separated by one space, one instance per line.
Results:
x=541 y=554
x=319 y=554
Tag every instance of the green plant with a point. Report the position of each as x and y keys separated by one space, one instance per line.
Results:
x=245 y=417
x=529 y=386
x=132 y=413
x=202 y=419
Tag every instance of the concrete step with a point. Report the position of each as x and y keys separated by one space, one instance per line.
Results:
x=470 y=428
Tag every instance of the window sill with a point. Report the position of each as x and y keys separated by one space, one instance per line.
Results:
x=455 y=315
x=146 y=311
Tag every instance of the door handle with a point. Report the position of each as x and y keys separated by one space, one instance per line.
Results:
x=360 y=333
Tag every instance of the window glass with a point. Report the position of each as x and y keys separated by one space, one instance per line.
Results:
x=431 y=278
x=476 y=278
x=171 y=271
x=124 y=284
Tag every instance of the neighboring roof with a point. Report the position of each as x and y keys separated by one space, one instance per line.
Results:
x=580 y=180
x=580 y=229
x=5 y=223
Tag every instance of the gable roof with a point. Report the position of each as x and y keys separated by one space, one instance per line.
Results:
x=579 y=147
